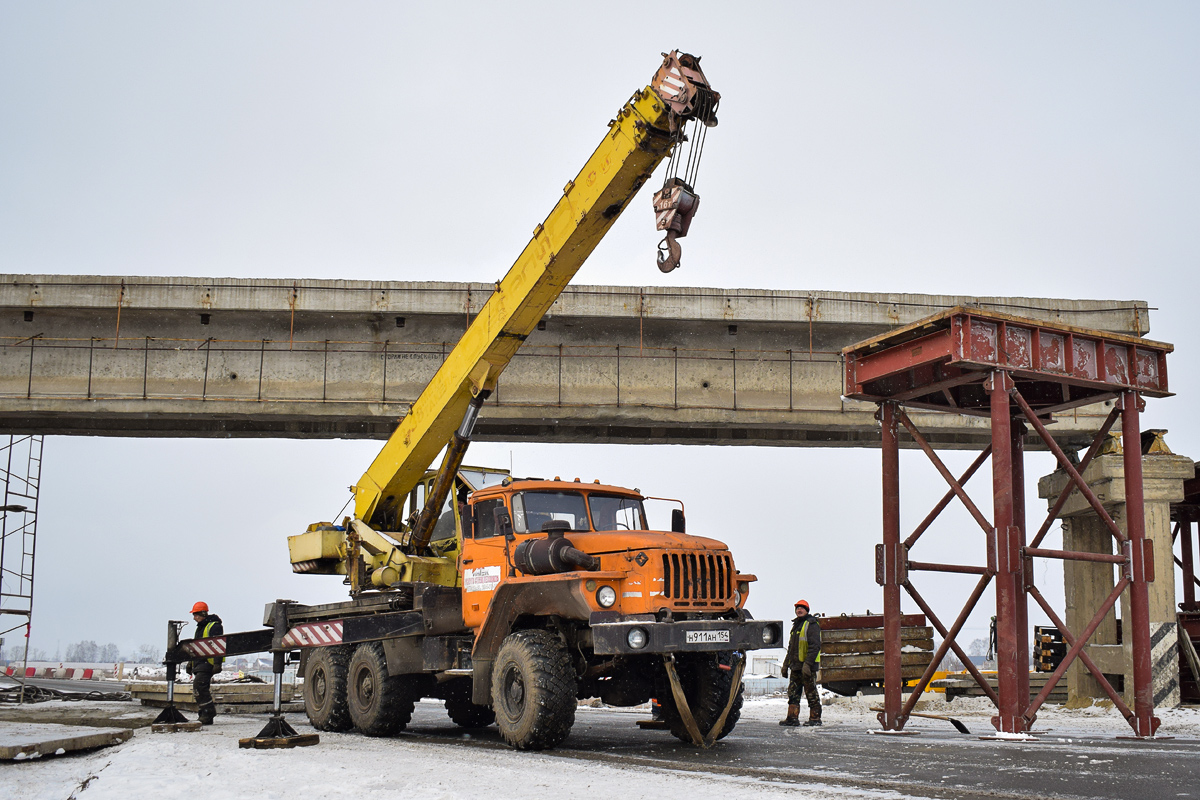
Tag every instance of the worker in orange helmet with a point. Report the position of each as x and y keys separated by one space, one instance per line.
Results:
x=203 y=669
x=801 y=663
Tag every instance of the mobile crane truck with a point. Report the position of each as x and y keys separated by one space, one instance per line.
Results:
x=511 y=599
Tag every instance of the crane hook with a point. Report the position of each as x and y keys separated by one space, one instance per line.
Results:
x=669 y=253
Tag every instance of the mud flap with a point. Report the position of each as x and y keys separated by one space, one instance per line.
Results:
x=685 y=711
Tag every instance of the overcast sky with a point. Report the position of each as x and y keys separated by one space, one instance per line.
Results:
x=1032 y=149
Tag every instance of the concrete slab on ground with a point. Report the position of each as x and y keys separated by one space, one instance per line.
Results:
x=125 y=715
x=21 y=740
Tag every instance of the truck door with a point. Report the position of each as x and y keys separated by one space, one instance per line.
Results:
x=483 y=560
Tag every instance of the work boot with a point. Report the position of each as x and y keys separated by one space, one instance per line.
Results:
x=207 y=713
x=793 y=717
x=814 y=718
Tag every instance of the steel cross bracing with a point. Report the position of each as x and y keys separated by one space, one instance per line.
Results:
x=1015 y=371
x=21 y=465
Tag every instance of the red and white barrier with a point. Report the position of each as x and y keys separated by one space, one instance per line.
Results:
x=78 y=672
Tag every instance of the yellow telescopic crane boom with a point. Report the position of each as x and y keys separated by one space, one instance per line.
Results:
x=645 y=131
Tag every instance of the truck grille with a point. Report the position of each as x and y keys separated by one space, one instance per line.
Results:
x=697 y=577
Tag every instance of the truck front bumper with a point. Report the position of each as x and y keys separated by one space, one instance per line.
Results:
x=615 y=635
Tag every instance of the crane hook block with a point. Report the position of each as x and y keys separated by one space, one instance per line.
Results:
x=674 y=206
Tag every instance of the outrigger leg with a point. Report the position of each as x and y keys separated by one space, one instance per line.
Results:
x=171 y=719
x=277 y=732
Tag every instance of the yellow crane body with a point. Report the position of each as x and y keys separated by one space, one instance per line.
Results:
x=638 y=139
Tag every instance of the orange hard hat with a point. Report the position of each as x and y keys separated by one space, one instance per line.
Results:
x=798 y=604
x=200 y=607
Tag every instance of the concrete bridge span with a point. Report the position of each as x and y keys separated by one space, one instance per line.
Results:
x=141 y=356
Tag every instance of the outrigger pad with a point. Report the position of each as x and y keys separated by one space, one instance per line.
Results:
x=278 y=733
x=175 y=727
x=169 y=716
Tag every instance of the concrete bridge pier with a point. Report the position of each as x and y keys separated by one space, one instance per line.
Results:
x=1088 y=583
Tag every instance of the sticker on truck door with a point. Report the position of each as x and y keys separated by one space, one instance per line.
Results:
x=485 y=579
x=707 y=637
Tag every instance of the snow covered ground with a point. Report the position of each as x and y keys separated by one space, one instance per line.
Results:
x=209 y=763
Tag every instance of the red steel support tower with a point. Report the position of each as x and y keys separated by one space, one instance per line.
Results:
x=1014 y=371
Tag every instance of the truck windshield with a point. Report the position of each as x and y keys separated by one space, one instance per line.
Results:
x=532 y=510
x=612 y=513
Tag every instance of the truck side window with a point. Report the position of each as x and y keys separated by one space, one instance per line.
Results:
x=485 y=517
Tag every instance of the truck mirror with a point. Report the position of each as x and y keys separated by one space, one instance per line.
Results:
x=503 y=522
x=678 y=525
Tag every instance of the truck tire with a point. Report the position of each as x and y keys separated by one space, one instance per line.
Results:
x=706 y=687
x=325 y=689
x=380 y=704
x=463 y=712
x=533 y=690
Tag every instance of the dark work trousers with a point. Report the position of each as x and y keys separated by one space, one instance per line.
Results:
x=797 y=684
x=202 y=689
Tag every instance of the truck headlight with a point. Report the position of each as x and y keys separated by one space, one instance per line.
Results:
x=636 y=638
x=768 y=634
x=606 y=596
x=737 y=598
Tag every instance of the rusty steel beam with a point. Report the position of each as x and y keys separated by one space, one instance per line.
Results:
x=1074 y=555
x=893 y=679
x=1009 y=572
x=1071 y=366
x=1142 y=567
x=1188 y=563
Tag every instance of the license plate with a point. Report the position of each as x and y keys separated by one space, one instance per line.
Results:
x=707 y=637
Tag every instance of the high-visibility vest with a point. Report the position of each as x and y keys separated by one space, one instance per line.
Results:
x=204 y=635
x=802 y=644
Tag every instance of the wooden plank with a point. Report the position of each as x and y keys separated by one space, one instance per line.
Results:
x=866 y=674
x=303 y=740
x=872 y=660
x=21 y=740
x=874 y=634
x=859 y=646
x=175 y=727
x=861 y=621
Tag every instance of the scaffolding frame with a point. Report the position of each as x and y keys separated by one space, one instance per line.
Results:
x=21 y=468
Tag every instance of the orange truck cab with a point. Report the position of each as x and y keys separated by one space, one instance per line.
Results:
x=584 y=554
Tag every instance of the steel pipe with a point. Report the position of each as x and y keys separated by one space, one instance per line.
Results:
x=967 y=569
x=1074 y=555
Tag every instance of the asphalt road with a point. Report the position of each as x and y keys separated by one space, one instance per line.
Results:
x=937 y=763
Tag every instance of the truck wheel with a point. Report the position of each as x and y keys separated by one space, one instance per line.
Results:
x=533 y=690
x=325 y=689
x=463 y=712
x=706 y=687
x=380 y=705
